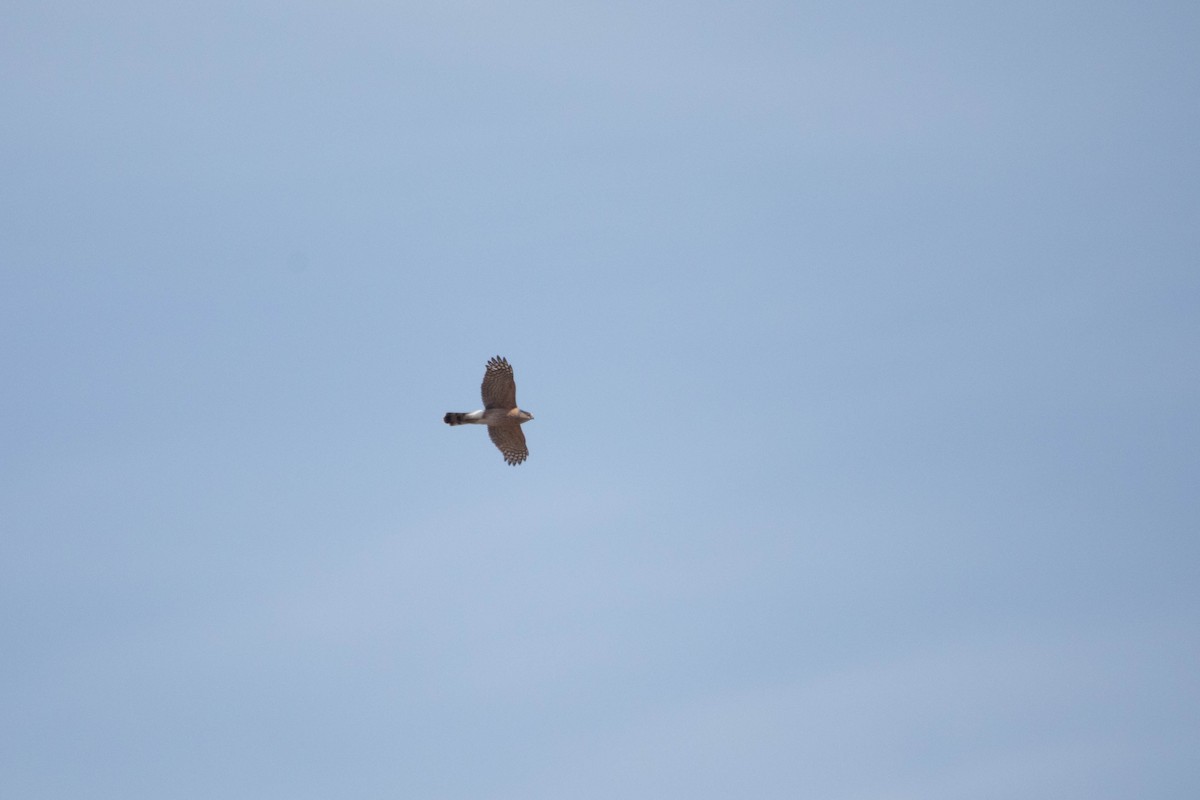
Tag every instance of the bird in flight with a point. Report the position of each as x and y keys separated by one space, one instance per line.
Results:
x=499 y=412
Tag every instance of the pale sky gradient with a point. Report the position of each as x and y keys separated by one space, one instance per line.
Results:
x=863 y=341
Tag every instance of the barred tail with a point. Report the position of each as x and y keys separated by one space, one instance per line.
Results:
x=454 y=418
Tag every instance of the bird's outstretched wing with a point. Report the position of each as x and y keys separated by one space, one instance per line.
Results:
x=499 y=389
x=510 y=441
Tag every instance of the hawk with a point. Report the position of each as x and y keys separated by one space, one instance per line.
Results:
x=499 y=413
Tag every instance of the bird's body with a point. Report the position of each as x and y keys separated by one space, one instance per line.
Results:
x=499 y=412
x=485 y=416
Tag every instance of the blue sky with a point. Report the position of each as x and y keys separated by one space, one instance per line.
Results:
x=861 y=340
